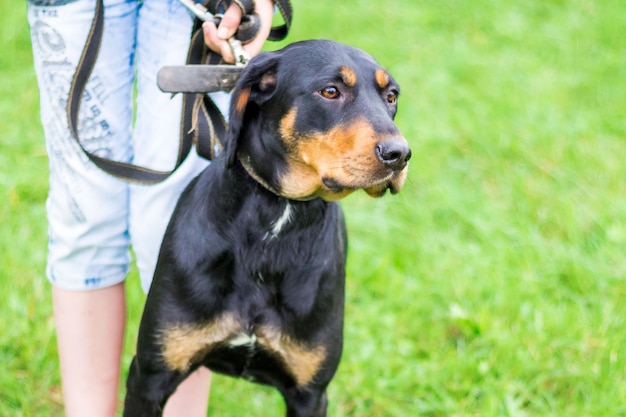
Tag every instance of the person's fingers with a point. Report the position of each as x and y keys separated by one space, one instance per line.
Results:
x=213 y=41
x=230 y=22
x=265 y=10
x=216 y=38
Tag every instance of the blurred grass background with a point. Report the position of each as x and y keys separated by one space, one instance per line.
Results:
x=493 y=285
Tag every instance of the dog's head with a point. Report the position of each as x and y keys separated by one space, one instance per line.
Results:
x=315 y=119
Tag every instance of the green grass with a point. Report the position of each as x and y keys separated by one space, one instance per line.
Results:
x=493 y=285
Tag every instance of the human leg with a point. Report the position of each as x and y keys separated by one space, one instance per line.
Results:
x=191 y=397
x=87 y=209
x=163 y=35
x=90 y=331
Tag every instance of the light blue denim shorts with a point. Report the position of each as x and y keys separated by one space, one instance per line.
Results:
x=93 y=217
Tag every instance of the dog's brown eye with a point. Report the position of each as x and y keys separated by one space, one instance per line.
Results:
x=392 y=97
x=330 y=92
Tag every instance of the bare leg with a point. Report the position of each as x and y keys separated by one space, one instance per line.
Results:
x=191 y=398
x=90 y=331
x=147 y=389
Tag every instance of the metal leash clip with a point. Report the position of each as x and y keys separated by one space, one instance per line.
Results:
x=201 y=12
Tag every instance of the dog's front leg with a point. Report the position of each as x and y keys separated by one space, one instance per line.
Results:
x=147 y=392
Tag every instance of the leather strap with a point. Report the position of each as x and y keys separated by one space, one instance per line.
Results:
x=202 y=123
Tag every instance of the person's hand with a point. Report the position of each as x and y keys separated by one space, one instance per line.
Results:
x=216 y=38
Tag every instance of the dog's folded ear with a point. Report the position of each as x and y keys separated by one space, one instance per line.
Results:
x=256 y=85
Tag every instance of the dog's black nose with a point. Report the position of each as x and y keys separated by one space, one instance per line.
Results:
x=394 y=153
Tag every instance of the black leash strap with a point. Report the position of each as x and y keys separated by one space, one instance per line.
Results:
x=202 y=123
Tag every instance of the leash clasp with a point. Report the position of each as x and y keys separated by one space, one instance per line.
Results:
x=201 y=12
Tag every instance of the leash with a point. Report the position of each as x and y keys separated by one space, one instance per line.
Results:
x=202 y=123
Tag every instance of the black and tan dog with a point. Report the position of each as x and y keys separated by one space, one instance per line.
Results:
x=250 y=278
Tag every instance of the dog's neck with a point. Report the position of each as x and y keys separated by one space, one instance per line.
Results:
x=246 y=163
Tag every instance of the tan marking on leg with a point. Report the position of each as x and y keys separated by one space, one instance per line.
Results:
x=184 y=343
x=348 y=76
x=301 y=361
x=382 y=78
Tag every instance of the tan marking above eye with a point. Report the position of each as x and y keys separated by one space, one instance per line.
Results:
x=382 y=78
x=348 y=76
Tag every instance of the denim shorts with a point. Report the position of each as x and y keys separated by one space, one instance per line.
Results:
x=95 y=218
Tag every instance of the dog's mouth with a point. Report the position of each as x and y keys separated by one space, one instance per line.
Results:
x=333 y=185
x=305 y=182
x=393 y=182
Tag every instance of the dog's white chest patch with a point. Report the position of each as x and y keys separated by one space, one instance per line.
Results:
x=281 y=221
x=243 y=339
